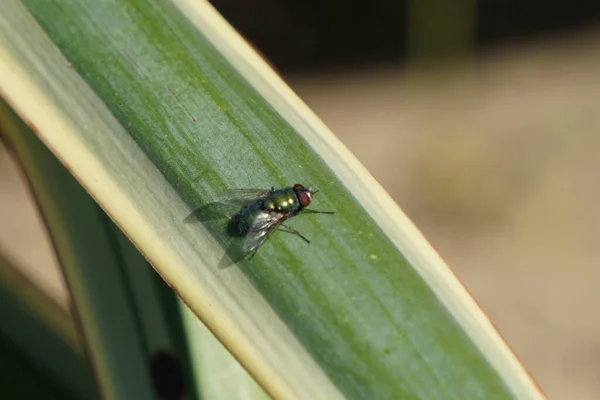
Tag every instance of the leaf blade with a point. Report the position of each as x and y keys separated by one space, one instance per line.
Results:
x=254 y=146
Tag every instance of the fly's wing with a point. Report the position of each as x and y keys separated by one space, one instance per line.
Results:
x=219 y=208
x=262 y=227
x=241 y=197
x=208 y=212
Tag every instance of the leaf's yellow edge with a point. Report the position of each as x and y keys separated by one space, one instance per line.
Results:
x=38 y=83
x=368 y=191
x=218 y=375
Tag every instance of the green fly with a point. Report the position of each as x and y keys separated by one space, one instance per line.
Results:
x=264 y=211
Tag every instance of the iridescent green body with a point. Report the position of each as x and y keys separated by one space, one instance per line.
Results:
x=282 y=201
x=262 y=212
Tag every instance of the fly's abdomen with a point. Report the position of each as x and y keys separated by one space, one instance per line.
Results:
x=240 y=224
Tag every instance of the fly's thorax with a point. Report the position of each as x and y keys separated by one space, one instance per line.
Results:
x=282 y=200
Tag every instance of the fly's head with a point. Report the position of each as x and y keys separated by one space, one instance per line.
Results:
x=304 y=195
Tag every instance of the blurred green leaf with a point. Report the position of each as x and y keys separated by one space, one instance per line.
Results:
x=41 y=355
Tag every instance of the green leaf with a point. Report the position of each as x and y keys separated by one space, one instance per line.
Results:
x=35 y=333
x=126 y=313
x=156 y=111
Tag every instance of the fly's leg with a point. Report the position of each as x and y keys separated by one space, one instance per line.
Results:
x=251 y=255
x=288 y=229
x=306 y=210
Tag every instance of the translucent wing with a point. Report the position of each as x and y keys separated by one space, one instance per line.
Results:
x=241 y=197
x=262 y=227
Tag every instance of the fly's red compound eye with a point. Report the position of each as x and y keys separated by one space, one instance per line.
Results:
x=298 y=186
x=304 y=198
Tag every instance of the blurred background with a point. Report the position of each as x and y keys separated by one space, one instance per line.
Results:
x=480 y=118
